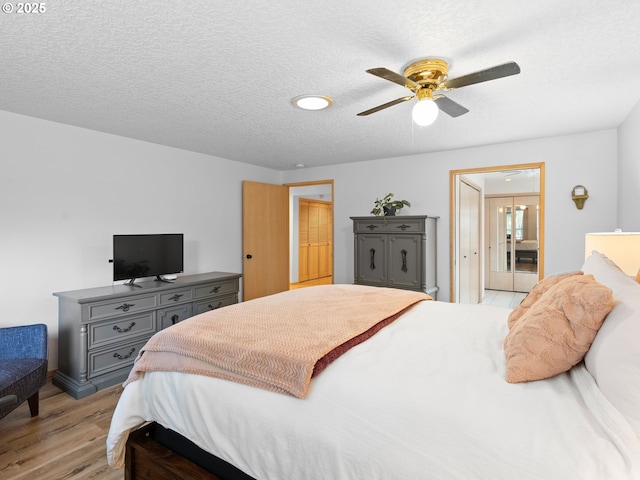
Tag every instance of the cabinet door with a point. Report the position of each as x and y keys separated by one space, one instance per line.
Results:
x=371 y=261
x=405 y=261
x=171 y=316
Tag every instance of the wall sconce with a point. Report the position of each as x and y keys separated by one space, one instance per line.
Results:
x=579 y=195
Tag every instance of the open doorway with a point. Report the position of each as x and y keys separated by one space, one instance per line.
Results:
x=508 y=260
x=311 y=233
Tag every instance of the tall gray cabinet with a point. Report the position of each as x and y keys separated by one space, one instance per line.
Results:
x=398 y=252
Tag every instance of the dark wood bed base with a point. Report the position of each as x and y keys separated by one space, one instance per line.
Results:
x=156 y=453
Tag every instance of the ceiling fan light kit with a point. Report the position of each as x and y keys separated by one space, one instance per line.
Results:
x=427 y=76
x=424 y=112
x=312 y=102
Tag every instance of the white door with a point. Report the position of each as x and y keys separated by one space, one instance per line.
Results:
x=526 y=229
x=513 y=233
x=498 y=213
x=470 y=252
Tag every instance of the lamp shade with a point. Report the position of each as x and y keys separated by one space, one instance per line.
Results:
x=623 y=248
x=424 y=112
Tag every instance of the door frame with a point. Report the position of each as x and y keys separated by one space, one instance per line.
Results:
x=454 y=177
x=293 y=222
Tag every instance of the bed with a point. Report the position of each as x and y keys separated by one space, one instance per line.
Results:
x=426 y=396
x=524 y=249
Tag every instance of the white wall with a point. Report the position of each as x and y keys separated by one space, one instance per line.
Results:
x=64 y=191
x=589 y=159
x=629 y=172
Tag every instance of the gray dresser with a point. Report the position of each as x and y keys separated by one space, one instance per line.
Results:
x=398 y=252
x=101 y=330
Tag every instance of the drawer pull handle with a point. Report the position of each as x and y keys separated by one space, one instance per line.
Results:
x=124 y=330
x=176 y=297
x=211 y=307
x=404 y=260
x=125 y=307
x=372 y=258
x=215 y=289
x=403 y=227
x=124 y=357
x=175 y=319
x=372 y=227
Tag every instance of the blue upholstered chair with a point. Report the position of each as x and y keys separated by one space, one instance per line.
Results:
x=23 y=366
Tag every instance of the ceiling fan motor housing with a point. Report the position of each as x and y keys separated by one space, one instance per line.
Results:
x=428 y=72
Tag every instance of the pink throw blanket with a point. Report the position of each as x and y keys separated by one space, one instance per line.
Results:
x=274 y=342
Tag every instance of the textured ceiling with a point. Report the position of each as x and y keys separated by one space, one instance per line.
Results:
x=218 y=77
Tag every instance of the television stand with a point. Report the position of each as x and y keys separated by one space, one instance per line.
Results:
x=129 y=283
x=101 y=330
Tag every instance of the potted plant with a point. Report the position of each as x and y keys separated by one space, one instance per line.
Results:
x=388 y=206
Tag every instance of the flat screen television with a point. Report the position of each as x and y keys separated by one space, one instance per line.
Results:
x=137 y=256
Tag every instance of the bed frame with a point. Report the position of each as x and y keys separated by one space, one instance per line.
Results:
x=156 y=453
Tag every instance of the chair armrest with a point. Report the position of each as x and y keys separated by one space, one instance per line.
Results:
x=24 y=341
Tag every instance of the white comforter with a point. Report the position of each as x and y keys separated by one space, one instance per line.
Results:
x=424 y=398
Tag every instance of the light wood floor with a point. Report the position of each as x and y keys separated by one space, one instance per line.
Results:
x=503 y=299
x=66 y=441
x=311 y=283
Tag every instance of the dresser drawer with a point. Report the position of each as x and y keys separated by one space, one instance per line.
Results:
x=392 y=226
x=121 y=307
x=114 y=358
x=214 y=303
x=122 y=329
x=172 y=315
x=217 y=288
x=176 y=296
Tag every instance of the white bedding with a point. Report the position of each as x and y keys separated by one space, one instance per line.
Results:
x=424 y=398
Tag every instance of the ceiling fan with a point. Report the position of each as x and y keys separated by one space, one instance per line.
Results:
x=426 y=77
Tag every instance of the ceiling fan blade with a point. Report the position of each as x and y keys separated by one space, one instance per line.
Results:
x=385 y=105
x=493 y=73
x=448 y=106
x=394 y=77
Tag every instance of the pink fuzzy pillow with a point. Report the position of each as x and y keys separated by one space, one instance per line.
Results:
x=557 y=331
x=534 y=295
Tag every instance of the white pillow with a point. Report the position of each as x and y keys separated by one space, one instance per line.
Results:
x=607 y=273
x=614 y=357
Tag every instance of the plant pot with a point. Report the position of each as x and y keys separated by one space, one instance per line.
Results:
x=389 y=211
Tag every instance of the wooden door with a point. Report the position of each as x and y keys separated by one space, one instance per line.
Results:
x=265 y=239
x=314 y=235
x=315 y=258
x=470 y=253
x=303 y=241
x=325 y=240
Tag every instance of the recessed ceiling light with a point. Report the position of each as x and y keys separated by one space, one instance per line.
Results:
x=312 y=102
x=507 y=179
